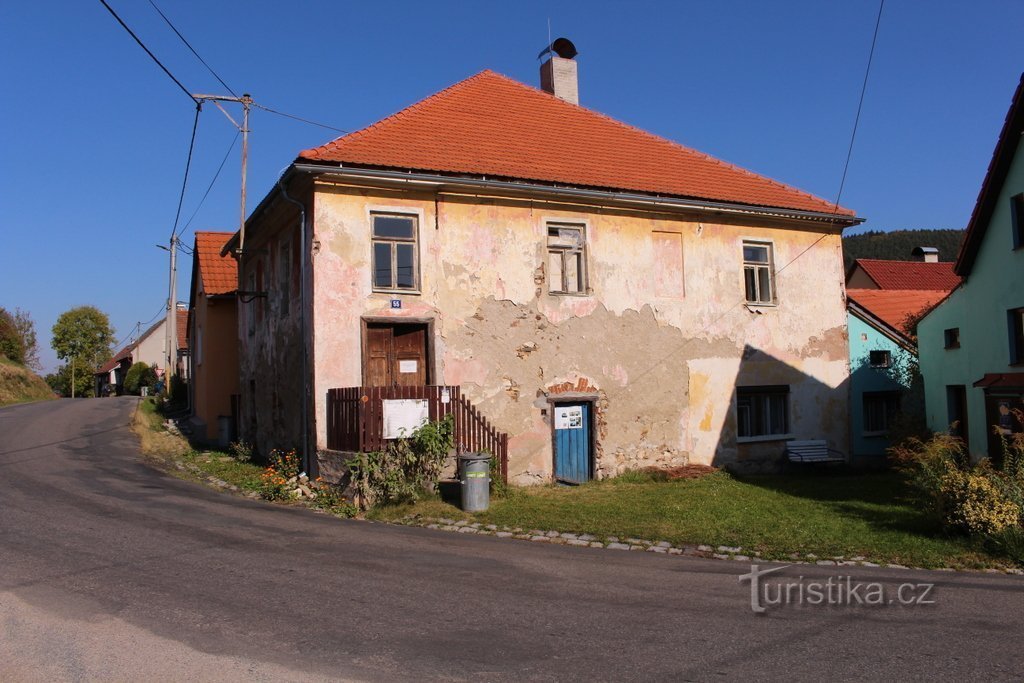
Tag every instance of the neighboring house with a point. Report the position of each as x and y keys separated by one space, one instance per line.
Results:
x=213 y=339
x=605 y=297
x=972 y=344
x=150 y=348
x=926 y=274
x=883 y=358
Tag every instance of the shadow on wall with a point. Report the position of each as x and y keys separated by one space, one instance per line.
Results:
x=886 y=406
x=772 y=403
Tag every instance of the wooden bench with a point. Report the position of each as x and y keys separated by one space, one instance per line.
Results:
x=812 y=450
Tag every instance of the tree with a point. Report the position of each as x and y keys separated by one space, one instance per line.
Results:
x=139 y=375
x=11 y=345
x=83 y=337
x=27 y=329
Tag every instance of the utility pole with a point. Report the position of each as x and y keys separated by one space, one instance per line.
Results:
x=246 y=101
x=171 y=322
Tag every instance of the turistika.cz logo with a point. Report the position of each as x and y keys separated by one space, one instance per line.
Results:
x=836 y=591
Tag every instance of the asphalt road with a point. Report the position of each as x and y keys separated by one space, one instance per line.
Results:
x=111 y=570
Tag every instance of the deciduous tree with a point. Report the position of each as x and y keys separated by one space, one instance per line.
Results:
x=83 y=338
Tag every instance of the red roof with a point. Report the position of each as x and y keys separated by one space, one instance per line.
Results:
x=126 y=352
x=219 y=273
x=998 y=169
x=490 y=125
x=896 y=306
x=910 y=274
x=1001 y=379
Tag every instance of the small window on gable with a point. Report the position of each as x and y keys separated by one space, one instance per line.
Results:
x=1015 y=321
x=952 y=338
x=881 y=359
x=758 y=273
x=395 y=258
x=567 y=263
x=1017 y=220
x=762 y=411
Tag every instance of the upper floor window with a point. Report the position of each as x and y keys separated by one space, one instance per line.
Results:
x=880 y=359
x=952 y=338
x=758 y=273
x=395 y=252
x=1017 y=220
x=1015 y=320
x=567 y=263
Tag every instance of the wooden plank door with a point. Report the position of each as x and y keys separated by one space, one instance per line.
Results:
x=395 y=355
x=572 y=442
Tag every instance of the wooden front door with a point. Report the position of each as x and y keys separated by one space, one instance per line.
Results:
x=395 y=355
x=572 y=442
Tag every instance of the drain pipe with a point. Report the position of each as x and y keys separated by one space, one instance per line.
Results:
x=307 y=461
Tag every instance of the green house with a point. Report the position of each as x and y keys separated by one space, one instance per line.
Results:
x=971 y=345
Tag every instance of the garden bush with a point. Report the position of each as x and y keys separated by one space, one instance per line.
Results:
x=138 y=376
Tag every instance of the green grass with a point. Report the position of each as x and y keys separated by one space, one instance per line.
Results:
x=824 y=513
x=18 y=384
x=244 y=475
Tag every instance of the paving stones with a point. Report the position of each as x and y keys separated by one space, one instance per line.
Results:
x=618 y=546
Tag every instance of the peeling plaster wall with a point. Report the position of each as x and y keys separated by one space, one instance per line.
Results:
x=658 y=344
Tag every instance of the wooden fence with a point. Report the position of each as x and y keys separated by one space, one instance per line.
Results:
x=355 y=419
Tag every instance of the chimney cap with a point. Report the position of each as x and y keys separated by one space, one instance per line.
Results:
x=562 y=47
x=922 y=251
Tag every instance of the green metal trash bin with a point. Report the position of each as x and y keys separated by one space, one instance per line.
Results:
x=475 y=477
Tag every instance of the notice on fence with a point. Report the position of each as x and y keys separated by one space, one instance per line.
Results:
x=403 y=416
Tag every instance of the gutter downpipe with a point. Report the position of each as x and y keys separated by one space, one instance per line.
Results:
x=307 y=461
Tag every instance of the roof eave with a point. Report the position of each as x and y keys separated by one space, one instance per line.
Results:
x=885 y=328
x=439 y=181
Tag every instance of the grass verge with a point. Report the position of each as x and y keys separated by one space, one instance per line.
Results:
x=18 y=384
x=823 y=514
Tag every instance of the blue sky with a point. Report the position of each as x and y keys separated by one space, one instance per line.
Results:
x=95 y=135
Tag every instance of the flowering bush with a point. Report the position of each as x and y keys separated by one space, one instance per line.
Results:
x=972 y=502
x=283 y=480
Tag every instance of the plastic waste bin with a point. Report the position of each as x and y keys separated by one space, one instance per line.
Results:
x=475 y=477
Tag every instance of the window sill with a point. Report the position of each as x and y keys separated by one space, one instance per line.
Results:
x=576 y=294
x=763 y=439
x=875 y=435
x=413 y=292
x=759 y=304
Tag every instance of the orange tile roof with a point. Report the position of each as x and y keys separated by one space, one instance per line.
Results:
x=219 y=273
x=126 y=352
x=910 y=274
x=490 y=125
x=896 y=306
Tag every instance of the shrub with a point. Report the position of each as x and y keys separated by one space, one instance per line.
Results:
x=405 y=468
x=241 y=451
x=973 y=503
x=138 y=376
x=11 y=344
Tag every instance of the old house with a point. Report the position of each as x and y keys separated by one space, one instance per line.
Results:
x=882 y=319
x=607 y=298
x=150 y=349
x=213 y=339
x=972 y=344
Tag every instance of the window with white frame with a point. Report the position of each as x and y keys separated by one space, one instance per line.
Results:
x=758 y=272
x=762 y=411
x=395 y=252
x=567 y=262
x=880 y=358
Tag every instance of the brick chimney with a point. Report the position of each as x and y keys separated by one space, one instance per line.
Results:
x=558 y=73
x=926 y=254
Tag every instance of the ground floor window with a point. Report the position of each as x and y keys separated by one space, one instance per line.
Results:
x=762 y=411
x=880 y=407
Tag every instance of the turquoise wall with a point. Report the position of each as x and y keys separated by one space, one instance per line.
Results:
x=865 y=338
x=978 y=308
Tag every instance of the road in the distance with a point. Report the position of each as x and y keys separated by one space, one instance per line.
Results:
x=112 y=570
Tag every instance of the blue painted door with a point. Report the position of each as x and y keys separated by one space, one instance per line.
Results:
x=572 y=442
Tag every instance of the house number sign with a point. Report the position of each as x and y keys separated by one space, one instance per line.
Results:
x=396 y=303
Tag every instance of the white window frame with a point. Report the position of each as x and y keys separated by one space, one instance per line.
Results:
x=566 y=251
x=761 y=393
x=757 y=267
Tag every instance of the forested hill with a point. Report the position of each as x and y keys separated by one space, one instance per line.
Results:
x=897 y=244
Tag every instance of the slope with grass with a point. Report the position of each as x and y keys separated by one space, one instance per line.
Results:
x=18 y=384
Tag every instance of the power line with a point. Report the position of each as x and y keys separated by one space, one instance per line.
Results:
x=210 y=186
x=148 y=51
x=188 y=165
x=189 y=46
x=860 y=104
x=299 y=118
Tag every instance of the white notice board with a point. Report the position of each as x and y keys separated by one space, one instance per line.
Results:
x=568 y=417
x=403 y=416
